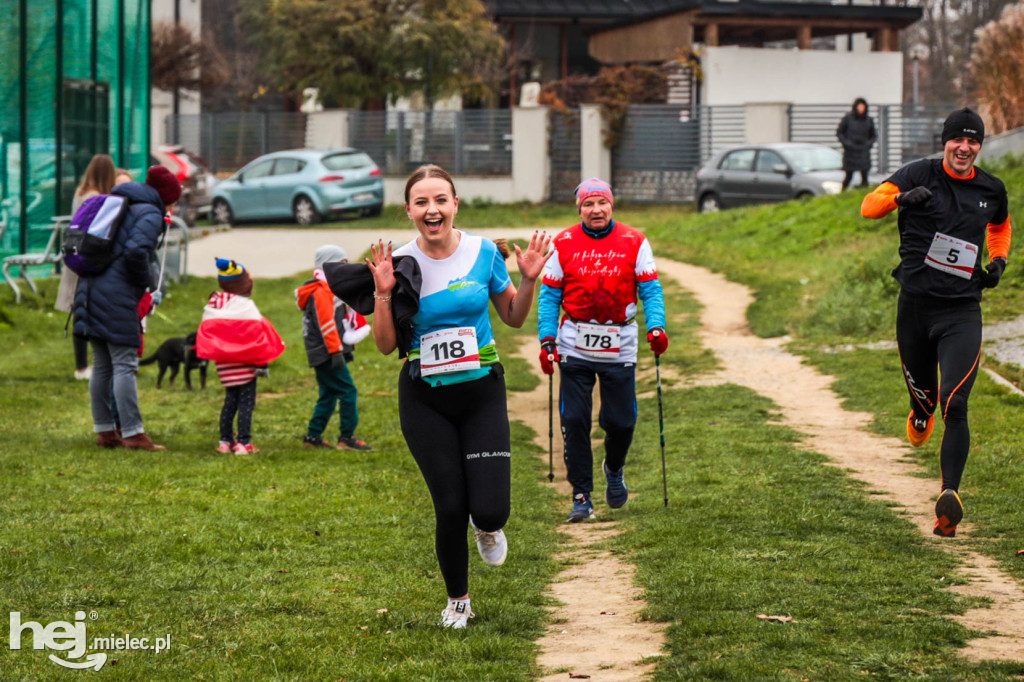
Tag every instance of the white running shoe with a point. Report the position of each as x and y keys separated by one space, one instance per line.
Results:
x=457 y=614
x=493 y=547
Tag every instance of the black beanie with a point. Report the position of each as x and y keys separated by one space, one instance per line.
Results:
x=963 y=123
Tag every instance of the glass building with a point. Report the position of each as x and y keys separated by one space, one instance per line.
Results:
x=74 y=83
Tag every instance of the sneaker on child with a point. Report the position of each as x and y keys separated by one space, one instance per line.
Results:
x=226 y=447
x=245 y=449
x=352 y=443
x=316 y=442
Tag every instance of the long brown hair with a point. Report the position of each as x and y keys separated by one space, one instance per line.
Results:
x=99 y=176
x=428 y=171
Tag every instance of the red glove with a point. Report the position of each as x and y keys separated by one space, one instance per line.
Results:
x=548 y=355
x=658 y=340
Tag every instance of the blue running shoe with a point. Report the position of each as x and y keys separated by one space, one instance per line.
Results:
x=582 y=509
x=616 y=494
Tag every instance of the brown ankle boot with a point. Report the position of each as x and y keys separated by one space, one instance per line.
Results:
x=109 y=439
x=141 y=441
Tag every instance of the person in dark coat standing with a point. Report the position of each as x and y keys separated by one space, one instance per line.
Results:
x=106 y=310
x=856 y=132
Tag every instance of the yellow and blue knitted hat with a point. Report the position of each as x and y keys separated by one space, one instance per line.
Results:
x=233 y=277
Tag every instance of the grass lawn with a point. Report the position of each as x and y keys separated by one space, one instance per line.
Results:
x=279 y=566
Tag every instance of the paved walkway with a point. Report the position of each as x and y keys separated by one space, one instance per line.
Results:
x=271 y=253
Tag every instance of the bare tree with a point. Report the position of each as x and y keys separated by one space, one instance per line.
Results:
x=178 y=60
x=997 y=67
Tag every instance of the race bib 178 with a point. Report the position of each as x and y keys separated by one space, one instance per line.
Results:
x=597 y=340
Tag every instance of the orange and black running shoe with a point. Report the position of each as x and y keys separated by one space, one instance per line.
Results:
x=949 y=510
x=919 y=430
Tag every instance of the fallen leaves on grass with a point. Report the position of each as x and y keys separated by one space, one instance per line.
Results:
x=777 y=619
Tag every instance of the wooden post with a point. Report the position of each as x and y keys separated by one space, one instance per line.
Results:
x=803 y=37
x=711 y=35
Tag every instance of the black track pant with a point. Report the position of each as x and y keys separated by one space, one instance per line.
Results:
x=459 y=437
x=617 y=416
x=943 y=334
x=240 y=400
x=848 y=179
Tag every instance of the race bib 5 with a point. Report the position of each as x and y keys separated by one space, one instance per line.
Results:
x=952 y=256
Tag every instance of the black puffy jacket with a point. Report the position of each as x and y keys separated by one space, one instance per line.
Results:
x=857 y=135
x=106 y=306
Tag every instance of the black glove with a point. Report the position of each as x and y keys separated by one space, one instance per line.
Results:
x=263 y=371
x=348 y=355
x=337 y=360
x=914 y=197
x=990 y=275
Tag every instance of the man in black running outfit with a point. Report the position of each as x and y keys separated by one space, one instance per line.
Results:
x=946 y=208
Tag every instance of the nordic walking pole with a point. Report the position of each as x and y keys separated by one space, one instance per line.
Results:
x=551 y=428
x=661 y=428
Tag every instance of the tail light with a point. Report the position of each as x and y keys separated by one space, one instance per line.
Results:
x=375 y=173
x=332 y=178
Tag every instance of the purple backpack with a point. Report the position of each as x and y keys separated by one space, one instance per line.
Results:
x=89 y=243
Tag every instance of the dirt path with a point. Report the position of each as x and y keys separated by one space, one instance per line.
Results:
x=809 y=405
x=596 y=630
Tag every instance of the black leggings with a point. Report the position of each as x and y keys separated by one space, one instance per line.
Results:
x=945 y=334
x=240 y=399
x=459 y=437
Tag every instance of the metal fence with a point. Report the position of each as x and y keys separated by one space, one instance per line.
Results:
x=467 y=142
x=662 y=147
x=228 y=141
x=564 y=153
x=655 y=159
x=655 y=156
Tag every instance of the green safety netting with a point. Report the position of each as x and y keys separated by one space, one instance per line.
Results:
x=75 y=84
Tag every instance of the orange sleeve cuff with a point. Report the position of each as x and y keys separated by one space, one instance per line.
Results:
x=881 y=202
x=325 y=318
x=998 y=239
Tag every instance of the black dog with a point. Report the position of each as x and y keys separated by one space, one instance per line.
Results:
x=172 y=353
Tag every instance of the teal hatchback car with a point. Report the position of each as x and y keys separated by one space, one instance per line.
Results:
x=307 y=185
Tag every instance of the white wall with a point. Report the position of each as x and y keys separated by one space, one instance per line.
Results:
x=162 y=103
x=743 y=75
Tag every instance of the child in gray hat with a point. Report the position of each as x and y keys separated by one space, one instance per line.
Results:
x=330 y=330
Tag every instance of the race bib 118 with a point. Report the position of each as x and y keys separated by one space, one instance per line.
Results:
x=449 y=350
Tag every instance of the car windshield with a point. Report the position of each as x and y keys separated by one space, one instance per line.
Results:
x=810 y=159
x=347 y=161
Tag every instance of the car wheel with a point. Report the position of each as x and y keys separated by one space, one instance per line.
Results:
x=805 y=195
x=374 y=211
x=305 y=211
x=222 y=213
x=709 y=203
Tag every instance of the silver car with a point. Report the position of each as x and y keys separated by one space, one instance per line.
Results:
x=757 y=174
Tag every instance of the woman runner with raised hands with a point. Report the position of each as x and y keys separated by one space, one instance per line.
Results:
x=451 y=392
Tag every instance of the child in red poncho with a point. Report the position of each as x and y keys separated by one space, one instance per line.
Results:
x=242 y=343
